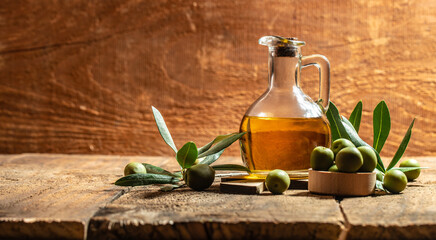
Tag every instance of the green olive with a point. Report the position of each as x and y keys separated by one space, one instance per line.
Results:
x=199 y=177
x=369 y=159
x=341 y=143
x=321 y=158
x=334 y=168
x=277 y=181
x=349 y=160
x=414 y=174
x=395 y=181
x=134 y=167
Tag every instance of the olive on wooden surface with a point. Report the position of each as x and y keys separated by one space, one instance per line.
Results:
x=414 y=174
x=395 y=181
x=134 y=167
x=199 y=177
x=277 y=181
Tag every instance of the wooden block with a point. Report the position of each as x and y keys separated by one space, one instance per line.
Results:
x=242 y=187
x=299 y=184
x=247 y=178
x=341 y=184
x=295 y=184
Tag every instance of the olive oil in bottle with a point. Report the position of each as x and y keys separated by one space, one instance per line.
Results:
x=281 y=143
x=284 y=124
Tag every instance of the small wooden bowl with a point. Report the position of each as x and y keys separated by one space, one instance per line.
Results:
x=341 y=184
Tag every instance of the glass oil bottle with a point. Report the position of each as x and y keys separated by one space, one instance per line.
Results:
x=284 y=124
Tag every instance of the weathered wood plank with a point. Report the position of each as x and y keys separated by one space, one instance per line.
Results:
x=409 y=215
x=68 y=196
x=185 y=214
x=54 y=196
x=80 y=76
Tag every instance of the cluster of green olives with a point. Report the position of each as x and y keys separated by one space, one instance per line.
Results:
x=343 y=157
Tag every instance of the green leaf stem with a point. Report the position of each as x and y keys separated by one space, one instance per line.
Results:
x=157 y=170
x=163 y=130
x=402 y=147
x=139 y=179
x=170 y=187
x=212 y=158
x=337 y=129
x=221 y=145
x=356 y=116
x=216 y=140
x=406 y=169
x=381 y=124
x=187 y=155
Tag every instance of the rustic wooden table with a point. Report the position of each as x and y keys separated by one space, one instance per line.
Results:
x=72 y=197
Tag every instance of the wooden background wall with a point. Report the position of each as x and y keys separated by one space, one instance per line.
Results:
x=80 y=76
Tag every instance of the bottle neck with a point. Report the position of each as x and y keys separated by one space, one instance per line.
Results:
x=283 y=71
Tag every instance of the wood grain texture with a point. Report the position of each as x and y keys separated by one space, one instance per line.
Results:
x=144 y=212
x=408 y=215
x=242 y=187
x=80 y=76
x=54 y=196
x=185 y=214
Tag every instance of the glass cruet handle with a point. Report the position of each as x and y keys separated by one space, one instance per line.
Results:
x=323 y=65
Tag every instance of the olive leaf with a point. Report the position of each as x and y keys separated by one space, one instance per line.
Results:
x=212 y=158
x=171 y=187
x=351 y=132
x=216 y=140
x=406 y=169
x=157 y=170
x=221 y=145
x=381 y=124
x=138 y=179
x=357 y=141
x=379 y=185
x=337 y=129
x=402 y=146
x=230 y=167
x=356 y=116
x=379 y=174
x=187 y=155
x=163 y=130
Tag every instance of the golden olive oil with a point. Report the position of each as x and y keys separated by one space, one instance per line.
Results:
x=281 y=143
